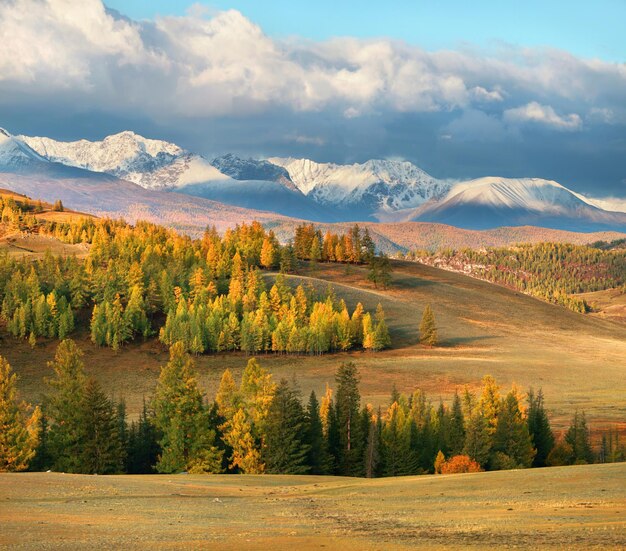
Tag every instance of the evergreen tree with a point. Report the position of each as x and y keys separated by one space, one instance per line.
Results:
x=100 y=445
x=317 y=457
x=373 y=448
x=63 y=406
x=512 y=444
x=42 y=461
x=428 y=328
x=347 y=403
x=456 y=427
x=400 y=458
x=19 y=424
x=577 y=437
x=539 y=428
x=477 y=439
x=285 y=450
x=187 y=441
x=143 y=444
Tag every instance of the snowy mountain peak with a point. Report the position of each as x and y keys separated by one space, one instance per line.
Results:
x=533 y=194
x=379 y=184
x=15 y=154
x=150 y=163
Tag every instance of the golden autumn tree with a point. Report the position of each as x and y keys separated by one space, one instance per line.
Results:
x=19 y=424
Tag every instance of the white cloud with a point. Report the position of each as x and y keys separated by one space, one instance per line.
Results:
x=534 y=112
x=210 y=63
x=481 y=94
x=608 y=203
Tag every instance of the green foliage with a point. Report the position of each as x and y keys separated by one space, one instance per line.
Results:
x=285 y=450
x=428 y=328
x=539 y=428
x=577 y=437
x=187 y=441
x=101 y=447
x=63 y=406
x=347 y=402
x=512 y=443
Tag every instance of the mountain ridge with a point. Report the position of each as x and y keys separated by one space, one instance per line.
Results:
x=376 y=190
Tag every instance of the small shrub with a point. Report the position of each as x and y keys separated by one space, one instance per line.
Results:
x=460 y=464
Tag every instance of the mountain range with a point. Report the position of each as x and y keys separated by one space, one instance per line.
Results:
x=159 y=172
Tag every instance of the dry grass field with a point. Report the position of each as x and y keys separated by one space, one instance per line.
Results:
x=580 y=507
x=609 y=304
x=578 y=360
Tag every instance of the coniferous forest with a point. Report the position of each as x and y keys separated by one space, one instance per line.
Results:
x=259 y=425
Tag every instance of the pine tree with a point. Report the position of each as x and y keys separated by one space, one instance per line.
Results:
x=317 y=457
x=456 y=428
x=512 y=444
x=428 y=328
x=63 y=406
x=577 y=437
x=347 y=403
x=143 y=444
x=100 y=445
x=477 y=439
x=19 y=424
x=373 y=448
x=285 y=450
x=400 y=458
x=187 y=442
x=539 y=428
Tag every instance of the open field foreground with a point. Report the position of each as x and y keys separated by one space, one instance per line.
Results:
x=580 y=507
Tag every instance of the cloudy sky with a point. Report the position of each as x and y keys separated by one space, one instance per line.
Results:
x=461 y=91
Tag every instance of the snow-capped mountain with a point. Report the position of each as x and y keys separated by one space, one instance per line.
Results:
x=491 y=202
x=253 y=169
x=374 y=187
x=152 y=164
x=376 y=190
x=15 y=155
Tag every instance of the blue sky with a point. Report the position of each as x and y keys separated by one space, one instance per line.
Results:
x=585 y=28
x=461 y=89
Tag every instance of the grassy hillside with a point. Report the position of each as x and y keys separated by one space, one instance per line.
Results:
x=578 y=360
x=528 y=509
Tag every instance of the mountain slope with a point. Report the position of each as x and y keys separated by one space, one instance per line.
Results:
x=491 y=202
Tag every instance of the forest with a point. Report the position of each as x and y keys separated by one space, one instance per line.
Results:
x=259 y=425
x=210 y=294
x=554 y=272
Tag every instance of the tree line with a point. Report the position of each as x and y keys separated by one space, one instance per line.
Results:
x=259 y=425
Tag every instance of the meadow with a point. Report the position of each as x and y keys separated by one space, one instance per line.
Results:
x=579 y=507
